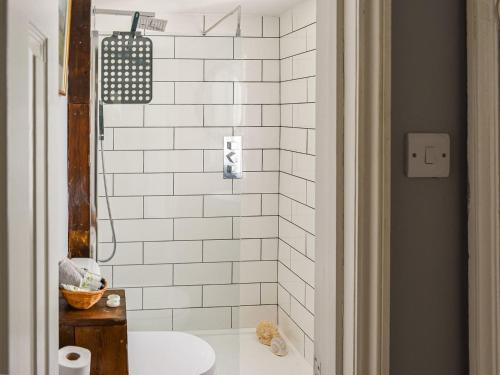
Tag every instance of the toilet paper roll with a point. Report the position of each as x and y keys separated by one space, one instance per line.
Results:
x=74 y=360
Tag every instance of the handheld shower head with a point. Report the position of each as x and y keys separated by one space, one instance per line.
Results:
x=152 y=24
x=146 y=20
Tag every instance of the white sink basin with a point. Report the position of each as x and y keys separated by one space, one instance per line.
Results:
x=172 y=353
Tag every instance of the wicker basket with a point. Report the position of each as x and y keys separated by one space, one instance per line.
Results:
x=83 y=300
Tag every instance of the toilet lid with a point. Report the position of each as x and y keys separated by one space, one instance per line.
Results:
x=179 y=353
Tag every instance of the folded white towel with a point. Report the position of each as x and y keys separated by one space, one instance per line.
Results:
x=70 y=274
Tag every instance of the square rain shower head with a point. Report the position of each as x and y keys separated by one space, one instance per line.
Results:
x=126 y=69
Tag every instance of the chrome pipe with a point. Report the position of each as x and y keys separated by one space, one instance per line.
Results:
x=117 y=12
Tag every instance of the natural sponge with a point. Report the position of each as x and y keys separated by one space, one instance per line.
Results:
x=266 y=331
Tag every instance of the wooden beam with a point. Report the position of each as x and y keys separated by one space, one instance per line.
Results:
x=79 y=179
x=79 y=130
x=79 y=53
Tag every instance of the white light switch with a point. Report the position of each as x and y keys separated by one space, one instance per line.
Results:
x=428 y=155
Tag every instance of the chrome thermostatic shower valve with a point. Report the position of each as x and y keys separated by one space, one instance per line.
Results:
x=233 y=166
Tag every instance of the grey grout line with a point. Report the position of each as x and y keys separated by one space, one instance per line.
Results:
x=142 y=298
x=198 y=307
x=203 y=206
x=298 y=29
x=296 y=176
x=173 y=183
x=293 y=320
x=189 y=217
x=227 y=262
x=262 y=115
x=279 y=158
x=199 y=36
x=202 y=286
x=203 y=116
x=143 y=253
x=215 y=59
x=203 y=128
x=198 y=195
x=290 y=269
x=175 y=90
x=202 y=240
x=229 y=82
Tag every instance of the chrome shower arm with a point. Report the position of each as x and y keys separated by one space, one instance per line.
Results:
x=117 y=12
x=235 y=10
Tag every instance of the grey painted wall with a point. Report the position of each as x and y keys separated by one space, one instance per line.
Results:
x=429 y=223
x=3 y=193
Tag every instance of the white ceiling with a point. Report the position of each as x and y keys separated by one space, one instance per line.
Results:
x=261 y=7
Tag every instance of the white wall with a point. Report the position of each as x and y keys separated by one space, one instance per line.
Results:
x=429 y=316
x=44 y=16
x=197 y=251
x=296 y=274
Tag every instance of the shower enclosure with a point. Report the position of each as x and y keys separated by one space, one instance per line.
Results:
x=210 y=240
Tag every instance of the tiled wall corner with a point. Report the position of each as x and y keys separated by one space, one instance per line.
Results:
x=297 y=176
x=196 y=251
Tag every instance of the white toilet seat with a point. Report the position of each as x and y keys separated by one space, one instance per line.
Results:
x=169 y=353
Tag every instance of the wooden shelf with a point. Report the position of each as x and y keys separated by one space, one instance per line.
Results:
x=101 y=329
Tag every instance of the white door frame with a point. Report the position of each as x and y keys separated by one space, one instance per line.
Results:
x=39 y=93
x=484 y=186
x=28 y=281
x=4 y=347
x=353 y=187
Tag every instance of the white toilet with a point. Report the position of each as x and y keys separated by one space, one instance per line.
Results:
x=169 y=353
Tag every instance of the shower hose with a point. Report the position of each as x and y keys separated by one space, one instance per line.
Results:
x=113 y=233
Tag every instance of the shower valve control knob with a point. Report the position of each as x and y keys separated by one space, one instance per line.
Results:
x=231 y=157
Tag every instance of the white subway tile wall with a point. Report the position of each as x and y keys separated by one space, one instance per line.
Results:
x=297 y=176
x=196 y=251
x=192 y=246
